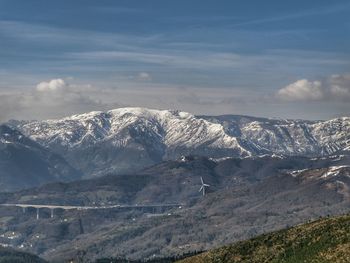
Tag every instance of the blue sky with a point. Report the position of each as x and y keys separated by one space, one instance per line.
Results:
x=284 y=59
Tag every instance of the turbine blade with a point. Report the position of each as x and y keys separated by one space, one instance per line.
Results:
x=200 y=189
x=202 y=180
x=206 y=185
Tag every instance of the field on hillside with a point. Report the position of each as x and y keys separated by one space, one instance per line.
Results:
x=324 y=240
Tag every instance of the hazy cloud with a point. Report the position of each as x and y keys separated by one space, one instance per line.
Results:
x=144 y=76
x=339 y=86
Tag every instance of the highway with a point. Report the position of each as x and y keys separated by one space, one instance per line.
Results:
x=72 y=207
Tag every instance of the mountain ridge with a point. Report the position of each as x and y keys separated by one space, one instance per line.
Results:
x=128 y=139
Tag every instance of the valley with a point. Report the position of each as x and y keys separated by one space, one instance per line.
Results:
x=246 y=197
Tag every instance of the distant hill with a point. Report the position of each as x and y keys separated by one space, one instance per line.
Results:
x=8 y=255
x=24 y=163
x=324 y=240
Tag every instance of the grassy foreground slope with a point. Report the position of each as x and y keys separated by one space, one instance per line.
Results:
x=324 y=240
x=8 y=255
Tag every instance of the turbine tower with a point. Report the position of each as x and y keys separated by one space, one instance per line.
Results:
x=203 y=186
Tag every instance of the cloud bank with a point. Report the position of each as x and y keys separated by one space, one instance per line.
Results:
x=60 y=97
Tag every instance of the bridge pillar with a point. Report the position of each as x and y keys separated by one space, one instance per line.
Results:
x=51 y=212
x=37 y=214
x=24 y=210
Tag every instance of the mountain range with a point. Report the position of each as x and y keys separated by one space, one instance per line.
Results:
x=126 y=140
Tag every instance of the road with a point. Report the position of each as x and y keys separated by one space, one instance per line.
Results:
x=72 y=207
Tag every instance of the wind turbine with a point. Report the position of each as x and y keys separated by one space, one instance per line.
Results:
x=203 y=186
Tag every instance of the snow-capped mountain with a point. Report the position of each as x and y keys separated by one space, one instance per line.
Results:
x=127 y=139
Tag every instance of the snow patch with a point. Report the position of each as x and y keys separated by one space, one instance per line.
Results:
x=334 y=171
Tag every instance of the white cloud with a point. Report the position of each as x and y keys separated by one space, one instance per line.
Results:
x=302 y=90
x=334 y=88
x=52 y=85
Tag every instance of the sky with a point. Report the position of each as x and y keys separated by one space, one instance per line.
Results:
x=278 y=59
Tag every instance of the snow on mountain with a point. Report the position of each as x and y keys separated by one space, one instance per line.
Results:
x=289 y=137
x=128 y=138
x=174 y=129
x=336 y=177
x=334 y=171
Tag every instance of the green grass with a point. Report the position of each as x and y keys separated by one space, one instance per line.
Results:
x=324 y=240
